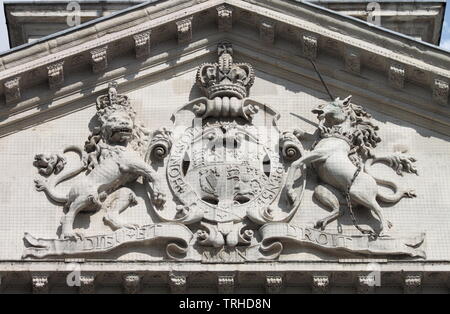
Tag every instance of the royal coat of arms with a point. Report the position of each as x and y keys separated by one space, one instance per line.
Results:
x=229 y=180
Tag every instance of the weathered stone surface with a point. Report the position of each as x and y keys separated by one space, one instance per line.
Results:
x=225 y=284
x=397 y=76
x=418 y=20
x=131 y=283
x=310 y=46
x=267 y=31
x=320 y=283
x=441 y=91
x=200 y=163
x=39 y=284
x=12 y=90
x=87 y=284
x=99 y=59
x=142 y=45
x=55 y=74
x=274 y=283
x=184 y=30
x=177 y=283
x=224 y=18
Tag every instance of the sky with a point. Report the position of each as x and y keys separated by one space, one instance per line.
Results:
x=4 y=45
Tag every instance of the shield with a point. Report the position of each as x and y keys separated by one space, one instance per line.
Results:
x=224 y=170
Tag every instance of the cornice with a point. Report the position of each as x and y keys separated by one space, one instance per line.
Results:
x=133 y=277
x=361 y=49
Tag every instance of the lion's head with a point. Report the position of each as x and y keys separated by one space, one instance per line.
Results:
x=116 y=117
x=117 y=125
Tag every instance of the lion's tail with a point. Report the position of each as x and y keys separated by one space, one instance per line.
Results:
x=400 y=163
x=49 y=186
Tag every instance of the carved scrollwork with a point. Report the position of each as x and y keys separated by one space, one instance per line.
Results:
x=236 y=179
x=291 y=148
x=160 y=144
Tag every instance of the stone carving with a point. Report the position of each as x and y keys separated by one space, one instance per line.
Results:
x=106 y=242
x=177 y=283
x=225 y=284
x=225 y=18
x=412 y=283
x=352 y=62
x=12 y=90
x=274 y=283
x=112 y=157
x=99 y=59
x=235 y=179
x=50 y=163
x=224 y=79
x=366 y=283
x=142 y=45
x=160 y=144
x=222 y=173
x=397 y=76
x=55 y=74
x=274 y=234
x=267 y=32
x=320 y=283
x=310 y=46
x=441 y=91
x=87 y=284
x=184 y=29
x=131 y=283
x=40 y=284
x=347 y=139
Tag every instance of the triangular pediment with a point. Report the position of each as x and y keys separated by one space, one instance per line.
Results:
x=389 y=72
x=178 y=139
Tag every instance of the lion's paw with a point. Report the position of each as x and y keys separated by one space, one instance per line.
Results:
x=39 y=184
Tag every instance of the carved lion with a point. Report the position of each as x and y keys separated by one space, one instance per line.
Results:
x=113 y=156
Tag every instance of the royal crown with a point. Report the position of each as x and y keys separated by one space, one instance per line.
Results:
x=112 y=99
x=225 y=78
